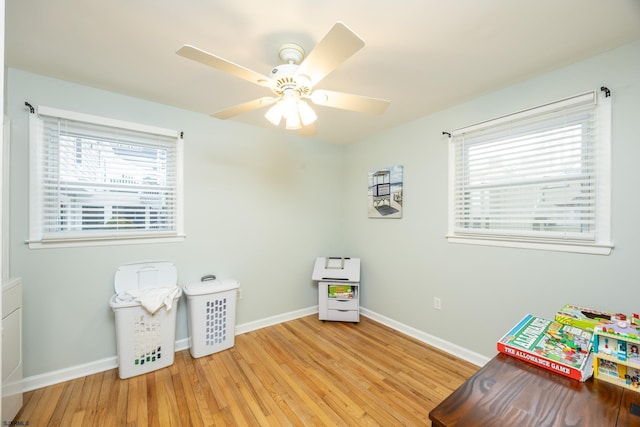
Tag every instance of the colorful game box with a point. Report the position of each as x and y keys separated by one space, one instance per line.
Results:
x=340 y=291
x=585 y=318
x=560 y=348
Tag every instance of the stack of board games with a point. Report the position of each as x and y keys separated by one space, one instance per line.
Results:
x=560 y=348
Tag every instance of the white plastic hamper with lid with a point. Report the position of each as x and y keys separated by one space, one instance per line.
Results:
x=145 y=341
x=212 y=314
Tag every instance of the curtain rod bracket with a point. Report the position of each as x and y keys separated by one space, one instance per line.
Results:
x=31 y=109
x=446 y=133
x=181 y=134
x=607 y=92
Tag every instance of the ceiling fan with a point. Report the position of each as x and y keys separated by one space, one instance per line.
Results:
x=293 y=81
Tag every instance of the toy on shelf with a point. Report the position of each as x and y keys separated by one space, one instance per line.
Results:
x=635 y=319
x=616 y=352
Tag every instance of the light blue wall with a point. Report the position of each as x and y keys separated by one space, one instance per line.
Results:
x=485 y=290
x=260 y=206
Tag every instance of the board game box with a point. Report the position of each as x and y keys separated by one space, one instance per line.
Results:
x=340 y=291
x=563 y=349
x=584 y=318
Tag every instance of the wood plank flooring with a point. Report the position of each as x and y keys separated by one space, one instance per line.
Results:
x=300 y=373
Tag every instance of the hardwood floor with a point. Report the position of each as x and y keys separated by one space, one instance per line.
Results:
x=301 y=373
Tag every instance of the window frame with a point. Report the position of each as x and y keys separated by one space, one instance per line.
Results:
x=601 y=243
x=39 y=238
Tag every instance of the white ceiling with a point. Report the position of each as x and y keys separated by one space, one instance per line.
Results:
x=422 y=55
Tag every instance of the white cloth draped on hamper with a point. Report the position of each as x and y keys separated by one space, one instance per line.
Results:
x=152 y=299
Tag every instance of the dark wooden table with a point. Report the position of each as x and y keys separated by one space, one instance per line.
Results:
x=509 y=392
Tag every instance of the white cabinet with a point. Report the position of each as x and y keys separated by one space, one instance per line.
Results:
x=338 y=288
x=338 y=308
x=11 y=348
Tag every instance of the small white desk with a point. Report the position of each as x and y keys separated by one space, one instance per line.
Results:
x=338 y=271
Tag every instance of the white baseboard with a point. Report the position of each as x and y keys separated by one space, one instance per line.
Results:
x=446 y=346
x=274 y=320
x=43 y=380
x=55 y=377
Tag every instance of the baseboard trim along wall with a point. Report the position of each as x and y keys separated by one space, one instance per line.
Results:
x=50 y=378
x=453 y=349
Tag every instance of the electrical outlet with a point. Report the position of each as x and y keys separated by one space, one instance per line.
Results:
x=437 y=303
x=239 y=293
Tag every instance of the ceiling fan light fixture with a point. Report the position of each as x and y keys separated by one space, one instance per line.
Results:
x=274 y=114
x=293 y=80
x=295 y=111
x=293 y=120
x=296 y=114
x=307 y=115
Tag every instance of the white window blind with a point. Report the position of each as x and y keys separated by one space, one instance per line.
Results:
x=97 y=179
x=539 y=176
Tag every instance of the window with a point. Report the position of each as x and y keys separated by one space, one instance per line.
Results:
x=538 y=178
x=101 y=181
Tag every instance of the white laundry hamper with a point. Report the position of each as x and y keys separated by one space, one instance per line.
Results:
x=212 y=313
x=145 y=341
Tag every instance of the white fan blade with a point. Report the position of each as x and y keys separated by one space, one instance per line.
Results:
x=335 y=48
x=347 y=101
x=206 y=58
x=243 y=108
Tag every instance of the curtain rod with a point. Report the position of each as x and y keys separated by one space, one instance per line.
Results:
x=33 y=110
x=607 y=94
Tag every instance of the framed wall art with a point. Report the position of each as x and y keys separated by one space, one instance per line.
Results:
x=385 y=194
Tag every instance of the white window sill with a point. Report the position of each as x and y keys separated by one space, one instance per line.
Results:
x=582 y=248
x=86 y=242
